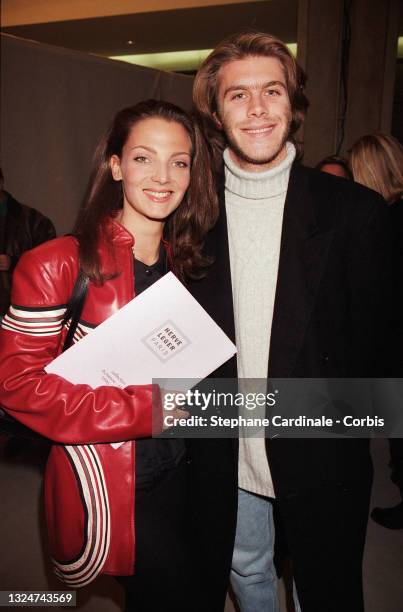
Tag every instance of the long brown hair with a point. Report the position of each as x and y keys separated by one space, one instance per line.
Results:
x=236 y=47
x=185 y=228
x=377 y=162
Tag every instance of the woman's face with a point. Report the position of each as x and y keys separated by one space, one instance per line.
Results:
x=154 y=169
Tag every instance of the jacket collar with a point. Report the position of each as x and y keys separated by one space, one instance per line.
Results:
x=117 y=233
x=121 y=237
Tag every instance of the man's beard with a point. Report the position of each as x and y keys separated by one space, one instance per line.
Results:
x=240 y=154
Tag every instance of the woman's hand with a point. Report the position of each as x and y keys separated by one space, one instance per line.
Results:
x=170 y=409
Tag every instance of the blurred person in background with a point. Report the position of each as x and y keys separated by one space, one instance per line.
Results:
x=21 y=228
x=377 y=162
x=333 y=164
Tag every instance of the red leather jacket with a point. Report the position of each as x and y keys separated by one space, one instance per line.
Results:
x=89 y=485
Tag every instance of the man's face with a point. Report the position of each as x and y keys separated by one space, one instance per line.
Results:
x=254 y=111
x=335 y=169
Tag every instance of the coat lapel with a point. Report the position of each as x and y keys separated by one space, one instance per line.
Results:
x=303 y=252
x=220 y=276
x=214 y=292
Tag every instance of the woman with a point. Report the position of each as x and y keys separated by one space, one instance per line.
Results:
x=377 y=162
x=112 y=510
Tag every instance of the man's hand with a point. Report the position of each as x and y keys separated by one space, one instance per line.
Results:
x=5 y=263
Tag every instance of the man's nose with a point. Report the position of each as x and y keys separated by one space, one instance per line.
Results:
x=258 y=105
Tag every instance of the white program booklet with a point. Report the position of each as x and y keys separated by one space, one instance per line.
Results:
x=163 y=333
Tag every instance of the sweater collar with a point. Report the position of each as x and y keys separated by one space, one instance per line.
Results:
x=258 y=185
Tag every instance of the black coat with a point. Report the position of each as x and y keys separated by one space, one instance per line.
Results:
x=23 y=228
x=327 y=322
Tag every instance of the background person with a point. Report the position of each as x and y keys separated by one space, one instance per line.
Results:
x=333 y=164
x=377 y=162
x=149 y=203
x=21 y=228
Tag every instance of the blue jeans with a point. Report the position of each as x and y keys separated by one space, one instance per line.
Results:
x=253 y=576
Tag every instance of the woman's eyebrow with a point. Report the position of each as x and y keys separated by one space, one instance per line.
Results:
x=151 y=150
x=181 y=153
x=143 y=147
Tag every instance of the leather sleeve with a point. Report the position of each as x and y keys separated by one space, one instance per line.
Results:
x=30 y=338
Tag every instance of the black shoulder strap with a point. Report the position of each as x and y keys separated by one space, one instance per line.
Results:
x=75 y=307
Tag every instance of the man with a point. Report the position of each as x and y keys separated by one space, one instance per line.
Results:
x=333 y=164
x=297 y=262
x=21 y=228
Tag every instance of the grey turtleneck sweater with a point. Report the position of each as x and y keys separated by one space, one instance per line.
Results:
x=254 y=204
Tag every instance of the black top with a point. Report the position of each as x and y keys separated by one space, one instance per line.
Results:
x=154 y=455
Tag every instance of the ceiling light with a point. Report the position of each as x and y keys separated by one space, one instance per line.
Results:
x=171 y=61
x=175 y=60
